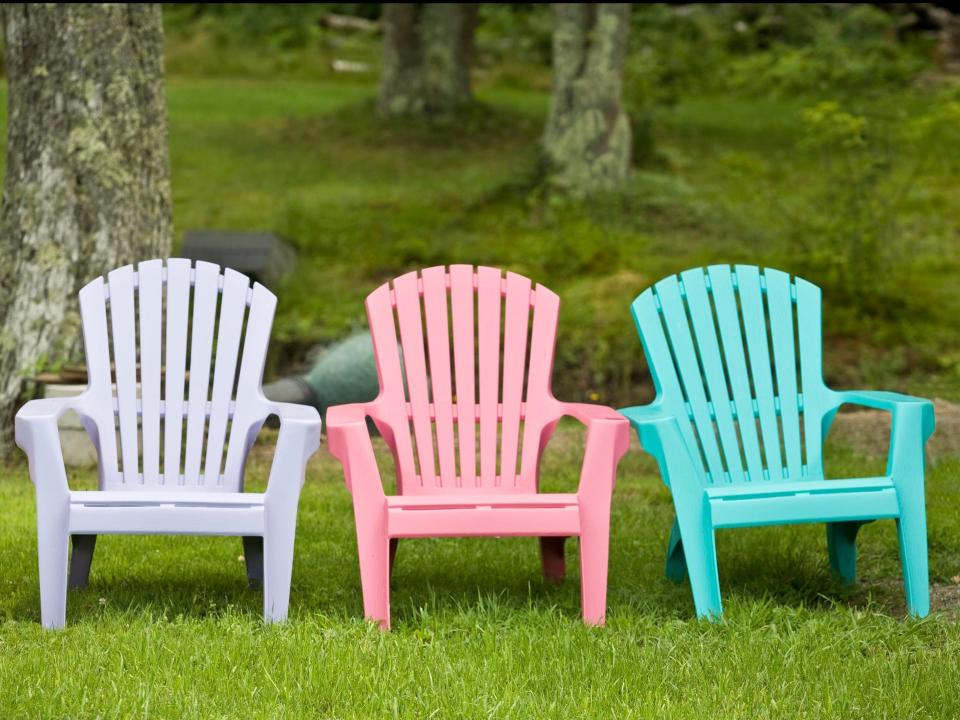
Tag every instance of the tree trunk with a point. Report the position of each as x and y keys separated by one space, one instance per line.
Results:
x=587 y=138
x=87 y=184
x=427 y=49
x=948 y=37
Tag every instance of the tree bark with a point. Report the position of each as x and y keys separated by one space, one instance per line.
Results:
x=587 y=139
x=427 y=51
x=87 y=184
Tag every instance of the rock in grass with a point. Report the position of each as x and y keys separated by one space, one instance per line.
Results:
x=344 y=372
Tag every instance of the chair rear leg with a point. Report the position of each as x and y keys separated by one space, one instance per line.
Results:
x=842 y=547
x=552 y=557
x=912 y=533
x=700 y=554
x=253 y=558
x=278 y=539
x=676 y=567
x=81 y=558
x=52 y=555
x=394 y=542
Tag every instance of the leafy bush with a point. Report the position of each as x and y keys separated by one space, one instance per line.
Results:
x=769 y=49
x=866 y=216
x=278 y=40
x=514 y=33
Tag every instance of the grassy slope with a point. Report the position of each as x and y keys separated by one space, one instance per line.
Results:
x=365 y=202
x=167 y=627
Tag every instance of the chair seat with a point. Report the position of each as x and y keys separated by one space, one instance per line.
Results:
x=805 y=501
x=120 y=512
x=144 y=498
x=459 y=515
x=451 y=500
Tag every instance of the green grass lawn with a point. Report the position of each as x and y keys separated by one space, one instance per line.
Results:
x=168 y=628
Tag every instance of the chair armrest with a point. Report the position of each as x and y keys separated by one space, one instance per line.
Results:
x=608 y=438
x=587 y=412
x=348 y=438
x=645 y=414
x=600 y=418
x=299 y=439
x=47 y=408
x=909 y=415
x=893 y=403
x=293 y=412
x=650 y=423
x=342 y=424
x=660 y=435
x=36 y=433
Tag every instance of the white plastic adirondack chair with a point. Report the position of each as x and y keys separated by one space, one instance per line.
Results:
x=200 y=488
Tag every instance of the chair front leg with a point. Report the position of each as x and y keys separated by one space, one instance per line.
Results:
x=40 y=439
x=607 y=441
x=298 y=440
x=594 y=557
x=53 y=520
x=698 y=543
x=912 y=424
x=373 y=550
x=350 y=443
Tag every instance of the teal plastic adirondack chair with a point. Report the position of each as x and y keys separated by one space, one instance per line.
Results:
x=739 y=421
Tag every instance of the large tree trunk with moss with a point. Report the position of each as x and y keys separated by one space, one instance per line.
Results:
x=427 y=49
x=587 y=139
x=87 y=184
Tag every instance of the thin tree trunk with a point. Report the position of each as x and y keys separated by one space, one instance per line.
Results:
x=587 y=138
x=87 y=184
x=427 y=51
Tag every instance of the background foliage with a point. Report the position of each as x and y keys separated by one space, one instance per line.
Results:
x=817 y=138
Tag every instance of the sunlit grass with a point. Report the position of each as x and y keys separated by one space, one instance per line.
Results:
x=168 y=627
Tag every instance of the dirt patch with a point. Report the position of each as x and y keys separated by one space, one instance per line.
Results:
x=945 y=598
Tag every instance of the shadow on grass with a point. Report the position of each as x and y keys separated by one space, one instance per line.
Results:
x=498 y=581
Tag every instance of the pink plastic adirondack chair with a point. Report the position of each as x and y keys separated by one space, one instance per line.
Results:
x=431 y=409
x=219 y=417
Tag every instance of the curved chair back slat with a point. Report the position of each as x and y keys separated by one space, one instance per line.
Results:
x=163 y=343
x=737 y=352
x=463 y=396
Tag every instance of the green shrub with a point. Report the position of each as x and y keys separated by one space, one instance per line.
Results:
x=864 y=223
x=770 y=49
x=267 y=40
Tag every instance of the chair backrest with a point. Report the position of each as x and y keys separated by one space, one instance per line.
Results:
x=141 y=327
x=477 y=401
x=737 y=354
